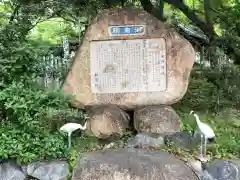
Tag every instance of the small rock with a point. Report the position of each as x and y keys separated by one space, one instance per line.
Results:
x=108 y=146
x=145 y=140
x=235 y=161
x=11 y=171
x=182 y=140
x=198 y=168
x=195 y=165
x=156 y=119
x=223 y=170
x=204 y=175
x=116 y=144
x=217 y=170
x=131 y=164
x=54 y=170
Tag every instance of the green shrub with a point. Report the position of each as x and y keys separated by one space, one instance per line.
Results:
x=201 y=95
x=26 y=146
x=212 y=89
x=29 y=116
x=25 y=134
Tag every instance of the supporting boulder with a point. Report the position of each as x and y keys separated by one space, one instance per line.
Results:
x=156 y=119
x=131 y=164
x=106 y=121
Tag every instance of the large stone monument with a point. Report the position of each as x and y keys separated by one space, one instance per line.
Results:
x=129 y=58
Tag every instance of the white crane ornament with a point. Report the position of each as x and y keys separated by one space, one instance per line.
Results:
x=205 y=131
x=70 y=127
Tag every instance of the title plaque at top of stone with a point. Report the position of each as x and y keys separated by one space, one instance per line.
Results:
x=126 y=30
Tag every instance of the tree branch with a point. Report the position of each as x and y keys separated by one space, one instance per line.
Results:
x=160 y=7
x=148 y=6
x=69 y=20
x=15 y=11
x=192 y=16
x=207 y=14
x=122 y=3
x=108 y=4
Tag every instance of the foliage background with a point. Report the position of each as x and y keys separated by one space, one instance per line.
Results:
x=30 y=114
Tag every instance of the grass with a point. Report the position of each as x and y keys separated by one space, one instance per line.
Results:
x=227 y=131
x=80 y=144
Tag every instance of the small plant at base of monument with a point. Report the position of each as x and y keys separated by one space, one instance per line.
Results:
x=182 y=153
x=72 y=160
x=80 y=144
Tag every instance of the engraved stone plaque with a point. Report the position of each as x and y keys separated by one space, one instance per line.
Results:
x=128 y=30
x=122 y=66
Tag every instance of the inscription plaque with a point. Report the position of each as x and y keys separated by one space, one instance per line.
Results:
x=121 y=66
x=126 y=30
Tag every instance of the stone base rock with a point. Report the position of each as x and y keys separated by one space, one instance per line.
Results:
x=156 y=119
x=196 y=165
x=143 y=140
x=11 y=171
x=222 y=170
x=53 y=170
x=217 y=169
x=106 y=121
x=183 y=140
x=131 y=164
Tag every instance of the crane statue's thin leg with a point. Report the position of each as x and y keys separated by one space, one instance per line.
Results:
x=69 y=140
x=205 y=147
x=201 y=147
